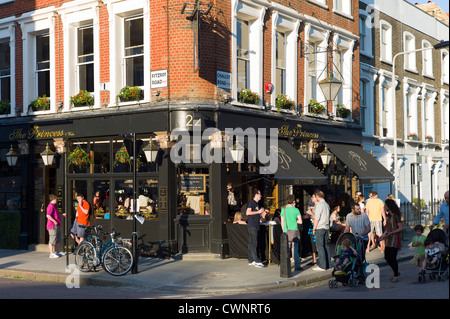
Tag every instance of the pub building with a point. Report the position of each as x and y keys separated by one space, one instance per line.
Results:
x=119 y=152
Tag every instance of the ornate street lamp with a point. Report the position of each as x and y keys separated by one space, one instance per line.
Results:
x=151 y=151
x=11 y=157
x=47 y=156
x=237 y=152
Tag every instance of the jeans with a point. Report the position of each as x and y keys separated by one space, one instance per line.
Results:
x=296 y=256
x=322 y=248
x=253 y=244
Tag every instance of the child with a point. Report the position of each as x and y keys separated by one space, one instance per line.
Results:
x=238 y=219
x=418 y=241
x=432 y=254
x=346 y=254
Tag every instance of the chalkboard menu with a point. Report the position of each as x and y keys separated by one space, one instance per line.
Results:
x=193 y=183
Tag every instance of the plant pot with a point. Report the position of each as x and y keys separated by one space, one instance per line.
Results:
x=413 y=138
x=132 y=99
x=80 y=105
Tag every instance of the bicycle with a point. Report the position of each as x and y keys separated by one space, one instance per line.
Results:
x=114 y=258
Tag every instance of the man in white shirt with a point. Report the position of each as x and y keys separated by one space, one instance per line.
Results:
x=321 y=230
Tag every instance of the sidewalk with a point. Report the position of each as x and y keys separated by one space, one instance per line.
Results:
x=229 y=275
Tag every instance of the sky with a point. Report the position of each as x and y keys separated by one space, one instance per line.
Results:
x=444 y=4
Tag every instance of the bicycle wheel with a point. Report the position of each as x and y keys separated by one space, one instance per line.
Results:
x=117 y=260
x=85 y=256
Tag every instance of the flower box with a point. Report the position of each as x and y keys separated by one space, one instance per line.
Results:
x=429 y=138
x=342 y=111
x=5 y=107
x=316 y=108
x=413 y=136
x=82 y=99
x=248 y=97
x=284 y=103
x=130 y=94
x=40 y=104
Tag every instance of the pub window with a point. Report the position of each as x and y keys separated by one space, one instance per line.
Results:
x=42 y=71
x=121 y=158
x=5 y=77
x=193 y=191
x=101 y=154
x=76 y=163
x=101 y=208
x=123 y=194
x=134 y=51
x=148 y=198
x=85 y=58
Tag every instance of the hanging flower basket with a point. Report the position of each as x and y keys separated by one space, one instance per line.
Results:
x=83 y=98
x=80 y=157
x=121 y=156
x=284 y=103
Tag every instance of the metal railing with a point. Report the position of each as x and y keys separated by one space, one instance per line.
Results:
x=412 y=215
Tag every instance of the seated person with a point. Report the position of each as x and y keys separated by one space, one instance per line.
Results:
x=238 y=219
x=346 y=254
x=433 y=252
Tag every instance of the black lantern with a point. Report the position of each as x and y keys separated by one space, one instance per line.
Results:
x=11 y=157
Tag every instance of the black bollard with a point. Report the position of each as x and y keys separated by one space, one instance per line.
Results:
x=285 y=257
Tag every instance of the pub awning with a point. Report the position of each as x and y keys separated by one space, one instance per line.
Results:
x=368 y=169
x=294 y=169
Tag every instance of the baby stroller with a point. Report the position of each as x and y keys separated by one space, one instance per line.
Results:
x=440 y=268
x=353 y=272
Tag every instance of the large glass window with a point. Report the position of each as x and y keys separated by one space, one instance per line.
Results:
x=43 y=65
x=134 y=51
x=101 y=153
x=193 y=196
x=101 y=208
x=243 y=54
x=85 y=58
x=312 y=72
x=148 y=198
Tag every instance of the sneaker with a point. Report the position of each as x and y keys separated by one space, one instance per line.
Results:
x=317 y=268
x=260 y=265
x=252 y=263
x=52 y=256
x=60 y=254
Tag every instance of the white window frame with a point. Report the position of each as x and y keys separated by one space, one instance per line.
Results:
x=411 y=94
x=427 y=59
x=7 y=34
x=343 y=8
x=410 y=58
x=344 y=45
x=32 y=24
x=319 y=37
x=445 y=128
x=73 y=16
x=368 y=75
x=429 y=95
x=385 y=118
x=254 y=12
x=445 y=67
x=368 y=47
x=288 y=24
x=118 y=11
x=320 y=3
x=387 y=56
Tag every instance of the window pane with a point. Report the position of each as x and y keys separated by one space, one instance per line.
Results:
x=280 y=82
x=5 y=59
x=42 y=49
x=85 y=43
x=123 y=190
x=242 y=68
x=86 y=77
x=43 y=83
x=242 y=39
x=5 y=88
x=148 y=199
x=281 y=49
x=101 y=208
x=134 y=34
x=134 y=71
x=102 y=162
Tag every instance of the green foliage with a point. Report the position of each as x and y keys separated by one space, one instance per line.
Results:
x=40 y=104
x=284 y=103
x=315 y=107
x=249 y=97
x=82 y=98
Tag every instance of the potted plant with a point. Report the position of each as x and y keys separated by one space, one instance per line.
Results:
x=130 y=93
x=5 y=107
x=429 y=138
x=247 y=96
x=83 y=98
x=412 y=136
x=342 y=111
x=315 y=107
x=40 y=104
x=79 y=157
x=121 y=156
x=284 y=103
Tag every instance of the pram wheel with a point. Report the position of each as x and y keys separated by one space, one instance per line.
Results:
x=353 y=282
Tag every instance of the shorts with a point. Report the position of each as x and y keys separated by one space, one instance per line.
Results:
x=417 y=260
x=54 y=235
x=78 y=230
x=377 y=226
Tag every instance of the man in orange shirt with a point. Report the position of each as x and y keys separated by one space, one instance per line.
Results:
x=81 y=219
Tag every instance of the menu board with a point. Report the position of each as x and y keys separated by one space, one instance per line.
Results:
x=193 y=183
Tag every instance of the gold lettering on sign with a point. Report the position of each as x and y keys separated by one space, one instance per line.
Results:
x=36 y=133
x=297 y=131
